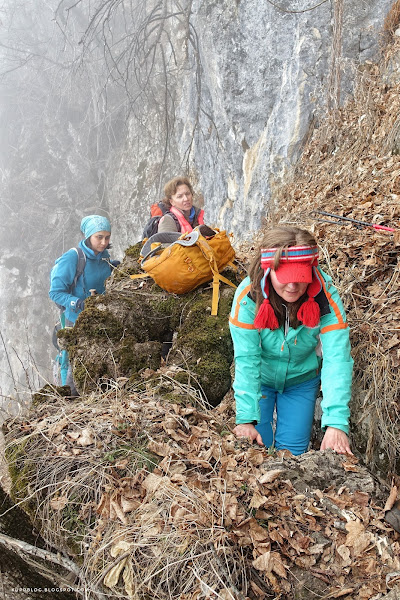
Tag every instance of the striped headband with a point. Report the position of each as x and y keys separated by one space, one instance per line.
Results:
x=292 y=254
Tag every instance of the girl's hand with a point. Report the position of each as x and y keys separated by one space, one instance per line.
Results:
x=249 y=431
x=337 y=440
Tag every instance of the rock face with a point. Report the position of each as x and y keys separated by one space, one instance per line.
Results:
x=265 y=76
x=243 y=83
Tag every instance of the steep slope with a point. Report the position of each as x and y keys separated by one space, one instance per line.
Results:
x=351 y=167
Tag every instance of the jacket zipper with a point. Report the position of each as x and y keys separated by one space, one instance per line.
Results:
x=286 y=326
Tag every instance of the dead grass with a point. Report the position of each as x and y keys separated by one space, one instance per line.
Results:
x=392 y=19
x=155 y=498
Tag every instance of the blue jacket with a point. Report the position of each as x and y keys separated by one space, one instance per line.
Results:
x=97 y=269
x=280 y=359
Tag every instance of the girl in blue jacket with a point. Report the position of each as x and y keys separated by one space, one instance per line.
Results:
x=71 y=294
x=290 y=338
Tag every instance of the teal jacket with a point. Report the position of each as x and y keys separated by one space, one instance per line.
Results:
x=279 y=360
x=97 y=270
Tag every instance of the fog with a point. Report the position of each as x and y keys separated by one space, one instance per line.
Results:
x=71 y=75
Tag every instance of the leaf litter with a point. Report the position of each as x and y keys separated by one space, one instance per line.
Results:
x=198 y=514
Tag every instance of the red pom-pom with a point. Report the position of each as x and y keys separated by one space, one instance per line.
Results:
x=309 y=313
x=266 y=318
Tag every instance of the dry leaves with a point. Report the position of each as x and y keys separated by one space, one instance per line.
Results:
x=169 y=496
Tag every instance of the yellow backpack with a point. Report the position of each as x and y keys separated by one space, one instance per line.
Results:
x=189 y=260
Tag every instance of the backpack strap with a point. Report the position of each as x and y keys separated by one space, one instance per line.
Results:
x=168 y=213
x=208 y=253
x=217 y=278
x=167 y=238
x=80 y=267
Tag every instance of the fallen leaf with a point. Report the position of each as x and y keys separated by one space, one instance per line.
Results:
x=117 y=508
x=160 y=448
x=340 y=593
x=344 y=553
x=129 y=504
x=257 y=500
x=120 y=547
x=59 y=502
x=258 y=591
x=314 y=511
x=357 y=538
x=128 y=577
x=103 y=507
x=255 y=456
x=58 y=427
x=86 y=437
x=391 y=498
x=258 y=533
x=111 y=579
x=152 y=482
x=270 y=561
x=270 y=476
x=361 y=498
x=263 y=562
x=349 y=467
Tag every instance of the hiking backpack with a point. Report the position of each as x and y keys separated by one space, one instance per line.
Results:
x=157 y=211
x=179 y=263
x=80 y=267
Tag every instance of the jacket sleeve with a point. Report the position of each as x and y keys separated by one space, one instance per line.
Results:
x=337 y=363
x=61 y=279
x=247 y=349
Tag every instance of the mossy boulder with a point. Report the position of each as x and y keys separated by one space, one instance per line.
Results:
x=137 y=326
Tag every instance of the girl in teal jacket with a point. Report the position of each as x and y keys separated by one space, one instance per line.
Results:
x=71 y=294
x=290 y=338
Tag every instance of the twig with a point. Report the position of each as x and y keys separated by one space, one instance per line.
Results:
x=57 y=559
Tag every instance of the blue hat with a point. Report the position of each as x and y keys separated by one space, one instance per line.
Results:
x=94 y=223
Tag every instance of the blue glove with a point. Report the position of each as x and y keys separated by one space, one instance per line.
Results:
x=115 y=263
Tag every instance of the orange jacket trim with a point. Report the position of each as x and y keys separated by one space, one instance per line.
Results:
x=334 y=327
x=234 y=320
x=335 y=308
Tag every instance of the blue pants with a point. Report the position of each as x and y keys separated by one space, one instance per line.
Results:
x=294 y=415
x=66 y=372
x=64 y=363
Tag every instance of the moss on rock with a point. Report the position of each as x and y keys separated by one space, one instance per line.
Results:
x=131 y=326
x=48 y=391
x=21 y=471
